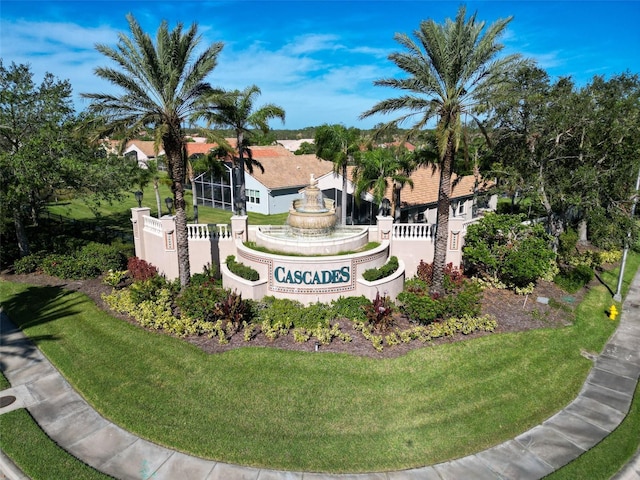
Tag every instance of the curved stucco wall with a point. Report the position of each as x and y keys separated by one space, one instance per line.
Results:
x=313 y=279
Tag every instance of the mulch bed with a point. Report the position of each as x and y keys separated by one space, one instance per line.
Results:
x=514 y=313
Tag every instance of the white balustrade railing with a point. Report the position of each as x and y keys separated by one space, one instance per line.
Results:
x=413 y=231
x=202 y=231
x=153 y=225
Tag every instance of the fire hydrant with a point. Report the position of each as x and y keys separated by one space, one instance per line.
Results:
x=613 y=312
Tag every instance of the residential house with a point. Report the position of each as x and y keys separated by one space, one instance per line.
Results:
x=469 y=196
x=268 y=192
x=142 y=151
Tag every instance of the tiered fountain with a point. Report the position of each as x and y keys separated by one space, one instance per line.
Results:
x=311 y=228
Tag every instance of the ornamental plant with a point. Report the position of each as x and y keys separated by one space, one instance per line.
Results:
x=505 y=248
x=241 y=270
x=140 y=269
x=233 y=311
x=380 y=313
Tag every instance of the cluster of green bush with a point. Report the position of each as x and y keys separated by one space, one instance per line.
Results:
x=205 y=308
x=577 y=267
x=503 y=248
x=389 y=268
x=460 y=296
x=466 y=325
x=241 y=270
x=87 y=261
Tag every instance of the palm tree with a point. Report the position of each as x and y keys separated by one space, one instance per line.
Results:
x=338 y=144
x=235 y=110
x=161 y=86
x=406 y=164
x=449 y=67
x=373 y=171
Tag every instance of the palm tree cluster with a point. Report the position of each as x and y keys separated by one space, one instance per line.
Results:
x=448 y=70
x=163 y=86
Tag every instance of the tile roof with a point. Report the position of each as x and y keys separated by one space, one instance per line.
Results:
x=197 y=147
x=426 y=180
x=283 y=169
x=145 y=146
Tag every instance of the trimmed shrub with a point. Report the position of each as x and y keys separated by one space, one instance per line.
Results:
x=419 y=307
x=502 y=247
x=464 y=303
x=350 y=308
x=241 y=270
x=101 y=257
x=199 y=300
x=29 y=264
x=373 y=274
x=147 y=290
x=62 y=266
x=87 y=262
x=206 y=276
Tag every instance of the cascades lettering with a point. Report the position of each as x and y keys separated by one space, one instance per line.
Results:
x=321 y=277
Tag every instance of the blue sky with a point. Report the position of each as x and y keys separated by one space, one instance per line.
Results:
x=316 y=59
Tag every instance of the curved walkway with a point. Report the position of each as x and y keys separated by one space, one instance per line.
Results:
x=63 y=414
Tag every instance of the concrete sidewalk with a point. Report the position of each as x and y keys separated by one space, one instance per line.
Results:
x=63 y=414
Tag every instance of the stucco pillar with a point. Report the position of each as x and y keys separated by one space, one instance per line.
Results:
x=385 y=224
x=239 y=227
x=137 y=222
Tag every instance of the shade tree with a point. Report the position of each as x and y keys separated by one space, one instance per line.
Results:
x=44 y=152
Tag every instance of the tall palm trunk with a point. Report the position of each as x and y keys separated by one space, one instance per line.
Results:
x=397 y=187
x=241 y=195
x=172 y=143
x=343 y=198
x=442 y=221
x=156 y=189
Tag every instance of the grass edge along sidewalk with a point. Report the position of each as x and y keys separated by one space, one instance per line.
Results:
x=64 y=312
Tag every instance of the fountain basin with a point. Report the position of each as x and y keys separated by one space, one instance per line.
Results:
x=338 y=240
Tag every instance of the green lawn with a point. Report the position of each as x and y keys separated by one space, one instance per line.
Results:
x=307 y=411
x=118 y=211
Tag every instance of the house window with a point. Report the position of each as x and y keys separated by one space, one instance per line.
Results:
x=459 y=209
x=253 y=196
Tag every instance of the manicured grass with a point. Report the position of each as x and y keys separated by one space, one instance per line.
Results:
x=119 y=211
x=21 y=437
x=314 y=412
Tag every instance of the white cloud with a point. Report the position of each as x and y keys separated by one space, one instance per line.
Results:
x=305 y=76
x=312 y=43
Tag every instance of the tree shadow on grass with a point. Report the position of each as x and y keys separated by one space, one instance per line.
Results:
x=38 y=305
